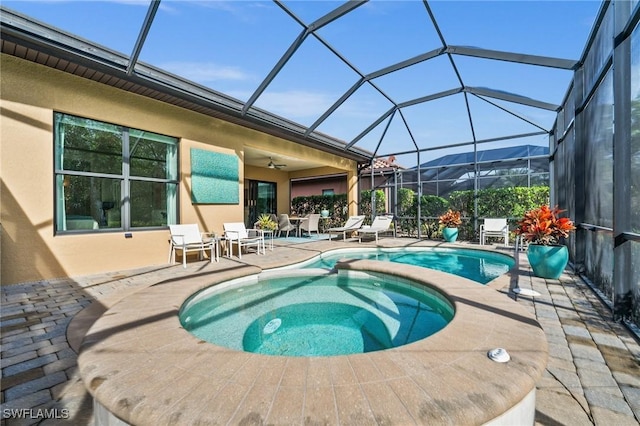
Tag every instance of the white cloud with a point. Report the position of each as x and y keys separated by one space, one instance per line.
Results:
x=295 y=103
x=205 y=72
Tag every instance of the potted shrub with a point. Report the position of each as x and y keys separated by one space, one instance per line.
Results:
x=266 y=223
x=543 y=229
x=450 y=220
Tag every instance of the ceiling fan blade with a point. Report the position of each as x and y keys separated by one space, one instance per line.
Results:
x=273 y=165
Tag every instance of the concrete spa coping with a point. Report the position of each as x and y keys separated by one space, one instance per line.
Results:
x=143 y=368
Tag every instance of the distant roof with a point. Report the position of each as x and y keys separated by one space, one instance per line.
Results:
x=488 y=156
x=382 y=164
x=452 y=172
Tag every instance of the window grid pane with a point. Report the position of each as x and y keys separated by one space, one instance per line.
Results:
x=150 y=155
x=88 y=148
x=89 y=199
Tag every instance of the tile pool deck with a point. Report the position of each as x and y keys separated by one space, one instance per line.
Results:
x=592 y=377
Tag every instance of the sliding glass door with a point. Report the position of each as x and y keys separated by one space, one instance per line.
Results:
x=261 y=199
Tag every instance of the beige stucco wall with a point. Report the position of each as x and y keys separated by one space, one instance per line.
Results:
x=30 y=93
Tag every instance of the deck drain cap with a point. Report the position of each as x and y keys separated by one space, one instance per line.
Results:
x=499 y=355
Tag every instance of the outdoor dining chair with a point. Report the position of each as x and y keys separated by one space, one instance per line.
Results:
x=311 y=224
x=285 y=225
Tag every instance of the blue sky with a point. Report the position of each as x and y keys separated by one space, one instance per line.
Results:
x=230 y=46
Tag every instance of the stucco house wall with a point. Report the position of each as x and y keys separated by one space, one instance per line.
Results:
x=315 y=186
x=30 y=94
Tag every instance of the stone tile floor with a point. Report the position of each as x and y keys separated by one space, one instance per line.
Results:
x=592 y=377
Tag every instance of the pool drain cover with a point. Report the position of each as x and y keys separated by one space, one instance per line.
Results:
x=272 y=326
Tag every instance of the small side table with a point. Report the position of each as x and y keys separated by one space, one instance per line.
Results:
x=268 y=233
x=323 y=221
x=215 y=246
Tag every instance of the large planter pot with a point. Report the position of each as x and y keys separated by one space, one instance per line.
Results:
x=547 y=261
x=324 y=213
x=450 y=234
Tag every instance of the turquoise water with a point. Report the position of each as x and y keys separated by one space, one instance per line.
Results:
x=322 y=315
x=476 y=265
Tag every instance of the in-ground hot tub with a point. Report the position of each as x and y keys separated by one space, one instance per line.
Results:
x=142 y=367
x=316 y=313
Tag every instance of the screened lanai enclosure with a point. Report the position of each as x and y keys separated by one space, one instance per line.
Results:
x=446 y=178
x=464 y=96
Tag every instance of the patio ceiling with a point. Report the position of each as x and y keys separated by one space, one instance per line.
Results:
x=344 y=77
x=261 y=158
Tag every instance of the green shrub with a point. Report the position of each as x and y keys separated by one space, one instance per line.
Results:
x=365 y=203
x=511 y=203
x=500 y=202
x=336 y=204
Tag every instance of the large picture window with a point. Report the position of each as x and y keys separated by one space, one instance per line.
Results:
x=111 y=177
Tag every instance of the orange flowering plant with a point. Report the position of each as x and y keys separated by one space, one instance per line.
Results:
x=544 y=226
x=450 y=219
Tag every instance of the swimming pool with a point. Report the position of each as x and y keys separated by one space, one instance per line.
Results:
x=317 y=314
x=477 y=265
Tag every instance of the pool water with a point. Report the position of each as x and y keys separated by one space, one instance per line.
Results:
x=325 y=315
x=477 y=265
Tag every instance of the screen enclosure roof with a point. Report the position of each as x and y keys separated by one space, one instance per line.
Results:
x=361 y=78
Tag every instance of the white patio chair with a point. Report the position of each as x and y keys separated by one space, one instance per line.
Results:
x=494 y=227
x=188 y=238
x=236 y=233
x=380 y=225
x=352 y=224
x=311 y=225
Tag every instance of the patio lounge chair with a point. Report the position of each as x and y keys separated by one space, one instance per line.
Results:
x=380 y=225
x=188 y=238
x=236 y=233
x=353 y=224
x=493 y=227
x=311 y=225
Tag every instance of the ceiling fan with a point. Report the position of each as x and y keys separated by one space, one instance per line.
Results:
x=273 y=165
